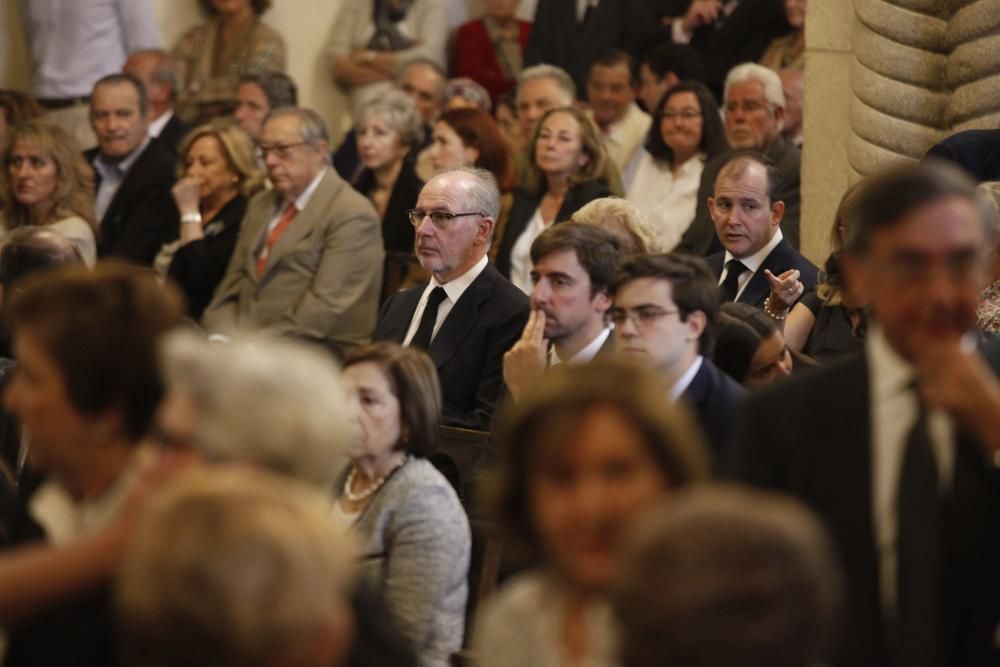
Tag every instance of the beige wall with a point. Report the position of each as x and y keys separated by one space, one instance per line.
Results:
x=305 y=24
x=825 y=169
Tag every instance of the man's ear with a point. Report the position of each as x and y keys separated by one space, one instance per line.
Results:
x=777 y=212
x=602 y=301
x=484 y=231
x=696 y=322
x=779 y=118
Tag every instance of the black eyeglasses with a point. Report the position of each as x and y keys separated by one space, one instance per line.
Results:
x=281 y=151
x=440 y=219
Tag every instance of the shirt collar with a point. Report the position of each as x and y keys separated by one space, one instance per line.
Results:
x=122 y=166
x=681 y=385
x=754 y=261
x=303 y=199
x=456 y=287
x=156 y=127
x=616 y=128
x=584 y=355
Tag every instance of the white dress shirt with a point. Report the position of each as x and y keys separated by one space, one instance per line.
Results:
x=584 y=355
x=668 y=202
x=520 y=253
x=75 y=42
x=453 y=290
x=156 y=126
x=681 y=385
x=112 y=175
x=894 y=410
x=300 y=203
x=751 y=262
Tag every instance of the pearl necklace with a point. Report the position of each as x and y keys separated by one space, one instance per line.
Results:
x=355 y=497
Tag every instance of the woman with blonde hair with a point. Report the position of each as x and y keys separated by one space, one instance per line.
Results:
x=569 y=168
x=623 y=219
x=47 y=182
x=217 y=176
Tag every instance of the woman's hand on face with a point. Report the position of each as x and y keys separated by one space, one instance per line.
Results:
x=187 y=192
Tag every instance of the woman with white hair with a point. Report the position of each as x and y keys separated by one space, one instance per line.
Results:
x=388 y=128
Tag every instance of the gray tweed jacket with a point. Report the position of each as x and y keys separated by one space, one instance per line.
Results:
x=414 y=544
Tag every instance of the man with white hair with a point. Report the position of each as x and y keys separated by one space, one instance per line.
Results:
x=467 y=315
x=754 y=117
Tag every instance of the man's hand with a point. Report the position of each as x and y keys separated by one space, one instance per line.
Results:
x=525 y=362
x=959 y=382
x=701 y=13
x=785 y=289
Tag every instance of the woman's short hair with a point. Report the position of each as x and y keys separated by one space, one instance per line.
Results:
x=237 y=148
x=727 y=577
x=74 y=193
x=739 y=331
x=19 y=107
x=548 y=414
x=593 y=148
x=277 y=403
x=414 y=381
x=713 y=133
x=478 y=130
x=618 y=215
x=231 y=566
x=398 y=111
x=102 y=329
x=258 y=6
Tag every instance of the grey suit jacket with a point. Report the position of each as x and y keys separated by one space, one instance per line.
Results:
x=415 y=542
x=323 y=276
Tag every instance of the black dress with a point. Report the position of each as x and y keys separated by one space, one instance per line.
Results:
x=198 y=266
x=831 y=337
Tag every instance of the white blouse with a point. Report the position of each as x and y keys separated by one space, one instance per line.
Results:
x=667 y=202
x=520 y=254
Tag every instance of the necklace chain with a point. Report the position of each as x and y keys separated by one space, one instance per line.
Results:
x=357 y=496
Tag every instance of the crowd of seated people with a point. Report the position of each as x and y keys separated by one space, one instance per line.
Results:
x=463 y=387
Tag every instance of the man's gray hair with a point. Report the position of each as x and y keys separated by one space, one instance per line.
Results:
x=312 y=127
x=277 y=403
x=545 y=71
x=482 y=193
x=166 y=70
x=774 y=92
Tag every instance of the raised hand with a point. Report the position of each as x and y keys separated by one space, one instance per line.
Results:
x=525 y=362
x=785 y=289
x=186 y=193
x=702 y=12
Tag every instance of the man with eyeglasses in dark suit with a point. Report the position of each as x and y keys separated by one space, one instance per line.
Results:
x=665 y=309
x=467 y=315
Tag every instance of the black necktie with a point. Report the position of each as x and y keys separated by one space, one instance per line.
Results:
x=919 y=577
x=731 y=285
x=422 y=338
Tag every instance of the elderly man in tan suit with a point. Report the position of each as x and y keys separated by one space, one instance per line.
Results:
x=308 y=262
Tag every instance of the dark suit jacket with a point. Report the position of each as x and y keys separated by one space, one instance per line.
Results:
x=475 y=57
x=977 y=151
x=779 y=260
x=397 y=232
x=197 y=267
x=820 y=452
x=558 y=39
x=172 y=134
x=469 y=347
x=714 y=397
x=142 y=215
x=701 y=239
x=741 y=38
x=525 y=205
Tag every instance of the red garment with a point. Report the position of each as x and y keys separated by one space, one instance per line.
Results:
x=474 y=57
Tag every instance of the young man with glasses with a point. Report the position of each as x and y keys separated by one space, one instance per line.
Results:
x=467 y=315
x=308 y=261
x=754 y=106
x=665 y=308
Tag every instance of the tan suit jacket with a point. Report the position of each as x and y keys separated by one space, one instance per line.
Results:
x=322 y=278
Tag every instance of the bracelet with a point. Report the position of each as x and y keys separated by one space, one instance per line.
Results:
x=191 y=219
x=770 y=313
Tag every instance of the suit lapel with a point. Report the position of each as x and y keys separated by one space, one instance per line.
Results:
x=759 y=287
x=463 y=317
x=302 y=225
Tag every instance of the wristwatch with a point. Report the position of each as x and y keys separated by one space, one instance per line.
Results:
x=191 y=219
